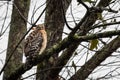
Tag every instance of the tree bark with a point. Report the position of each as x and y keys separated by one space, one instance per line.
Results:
x=95 y=61
x=90 y=19
x=54 y=22
x=17 y=30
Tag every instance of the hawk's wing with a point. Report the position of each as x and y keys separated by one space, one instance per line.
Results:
x=33 y=43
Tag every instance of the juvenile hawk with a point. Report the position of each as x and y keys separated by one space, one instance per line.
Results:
x=36 y=41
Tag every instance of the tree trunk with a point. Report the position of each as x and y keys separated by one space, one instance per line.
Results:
x=54 y=22
x=17 y=30
x=95 y=61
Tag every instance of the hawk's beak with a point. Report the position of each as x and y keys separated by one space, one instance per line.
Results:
x=34 y=28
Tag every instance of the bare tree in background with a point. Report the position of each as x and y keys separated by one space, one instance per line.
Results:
x=84 y=42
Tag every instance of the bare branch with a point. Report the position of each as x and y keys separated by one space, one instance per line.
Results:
x=21 y=41
x=99 y=9
x=84 y=25
x=100 y=56
x=98 y=35
x=56 y=49
x=64 y=16
x=5 y=29
x=21 y=14
x=72 y=15
x=106 y=24
x=34 y=11
x=81 y=2
x=5 y=18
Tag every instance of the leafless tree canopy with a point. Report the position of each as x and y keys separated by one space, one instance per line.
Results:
x=83 y=39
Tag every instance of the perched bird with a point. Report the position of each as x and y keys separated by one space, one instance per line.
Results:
x=36 y=41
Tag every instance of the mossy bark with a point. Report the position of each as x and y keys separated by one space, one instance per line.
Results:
x=17 y=30
x=54 y=23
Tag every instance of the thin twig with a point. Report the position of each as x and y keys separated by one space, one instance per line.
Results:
x=32 y=17
x=5 y=29
x=99 y=9
x=9 y=57
x=22 y=16
x=72 y=14
x=80 y=1
x=40 y=72
x=26 y=66
x=64 y=16
x=34 y=11
x=5 y=18
x=107 y=24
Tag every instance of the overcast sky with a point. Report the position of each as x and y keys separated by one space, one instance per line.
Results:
x=78 y=12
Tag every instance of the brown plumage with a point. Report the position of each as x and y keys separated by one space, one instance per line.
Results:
x=36 y=41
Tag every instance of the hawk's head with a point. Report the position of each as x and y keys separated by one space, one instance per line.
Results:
x=39 y=27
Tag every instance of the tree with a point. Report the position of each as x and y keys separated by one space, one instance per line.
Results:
x=91 y=29
x=54 y=27
x=17 y=30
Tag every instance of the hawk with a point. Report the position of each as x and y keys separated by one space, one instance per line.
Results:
x=36 y=41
